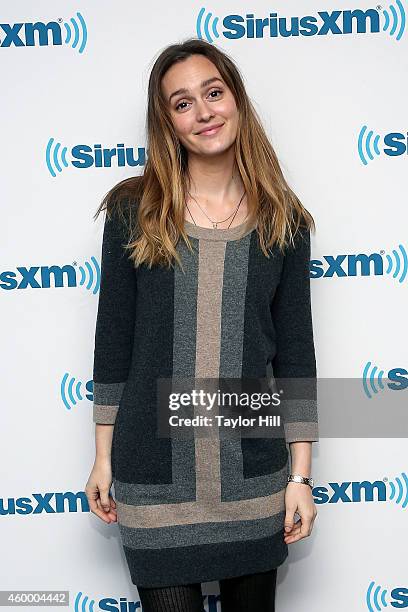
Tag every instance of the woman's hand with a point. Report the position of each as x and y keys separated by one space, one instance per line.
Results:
x=298 y=498
x=97 y=489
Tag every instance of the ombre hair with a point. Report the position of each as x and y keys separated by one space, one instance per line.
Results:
x=155 y=201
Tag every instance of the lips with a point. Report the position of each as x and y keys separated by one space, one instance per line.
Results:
x=210 y=130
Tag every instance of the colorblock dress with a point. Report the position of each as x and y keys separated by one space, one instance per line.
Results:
x=200 y=509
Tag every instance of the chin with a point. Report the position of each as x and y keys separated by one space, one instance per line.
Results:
x=214 y=152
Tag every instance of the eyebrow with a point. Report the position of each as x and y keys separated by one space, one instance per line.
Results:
x=183 y=90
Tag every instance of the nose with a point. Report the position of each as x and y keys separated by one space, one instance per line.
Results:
x=203 y=111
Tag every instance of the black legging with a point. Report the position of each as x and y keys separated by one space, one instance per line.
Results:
x=249 y=593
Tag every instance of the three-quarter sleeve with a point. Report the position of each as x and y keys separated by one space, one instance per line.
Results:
x=294 y=361
x=114 y=331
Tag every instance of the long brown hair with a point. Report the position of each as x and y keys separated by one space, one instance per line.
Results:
x=155 y=216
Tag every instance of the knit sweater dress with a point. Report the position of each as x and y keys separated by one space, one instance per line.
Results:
x=197 y=509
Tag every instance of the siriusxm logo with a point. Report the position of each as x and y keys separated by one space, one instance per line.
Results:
x=385 y=490
x=377 y=264
x=377 y=598
x=83 y=603
x=394 y=144
x=373 y=379
x=322 y=24
x=46 y=34
x=45 y=277
x=48 y=503
x=85 y=156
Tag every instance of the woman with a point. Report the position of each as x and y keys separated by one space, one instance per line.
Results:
x=215 y=285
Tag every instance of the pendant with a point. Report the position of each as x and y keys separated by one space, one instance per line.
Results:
x=214 y=225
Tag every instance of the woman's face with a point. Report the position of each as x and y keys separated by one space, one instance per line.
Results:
x=195 y=106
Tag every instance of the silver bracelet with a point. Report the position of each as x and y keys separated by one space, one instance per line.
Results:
x=301 y=479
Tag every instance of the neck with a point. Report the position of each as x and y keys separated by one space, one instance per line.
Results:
x=215 y=182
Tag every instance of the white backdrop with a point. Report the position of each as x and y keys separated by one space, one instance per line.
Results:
x=82 y=87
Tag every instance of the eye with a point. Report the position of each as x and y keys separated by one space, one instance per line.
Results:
x=214 y=91
x=179 y=104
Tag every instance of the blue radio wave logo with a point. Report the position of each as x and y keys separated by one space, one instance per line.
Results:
x=376 y=596
x=366 y=145
x=399 y=490
x=372 y=377
x=70 y=391
x=399 y=262
x=76 y=33
x=393 y=20
x=86 y=605
x=90 y=277
x=55 y=157
x=203 y=24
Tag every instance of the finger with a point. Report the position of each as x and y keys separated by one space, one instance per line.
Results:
x=296 y=529
x=112 y=515
x=96 y=508
x=306 y=527
x=104 y=516
x=101 y=513
x=112 y=503
x=304 y=531
x=112 y=511
x=293 y=537
x=104 y=496
x=295 y=534
x=289 y=520
x=295 y=524
x=93 y=505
